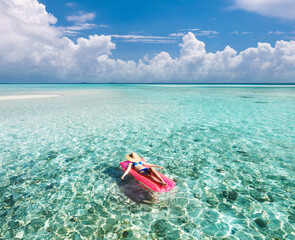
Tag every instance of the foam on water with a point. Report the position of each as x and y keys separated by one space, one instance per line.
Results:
x=231 y=151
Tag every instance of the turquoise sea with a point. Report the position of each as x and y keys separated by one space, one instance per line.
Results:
x=230 y=148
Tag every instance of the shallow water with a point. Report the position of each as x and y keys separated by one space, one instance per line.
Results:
x=230 y=149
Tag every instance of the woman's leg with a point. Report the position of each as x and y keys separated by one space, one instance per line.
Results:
x=147 y=173
x=155 y=179
x=157 y=175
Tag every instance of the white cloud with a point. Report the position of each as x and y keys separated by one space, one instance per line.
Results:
x=28 y=12
x=276 y=32
x=234 y=32
x=281 y=33
x=143 y=38
x=206 y=33
x=137 y=36
x=74 y=30
x=181 y=34
x=80 y=23
x=70 y=4
x=197 y=32
x=31 y=47
x=189 y=29
x=82 y=17
x=274 y=8
x=103 y=25
x=79 y=27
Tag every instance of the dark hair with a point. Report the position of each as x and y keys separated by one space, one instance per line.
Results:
x=131 y=155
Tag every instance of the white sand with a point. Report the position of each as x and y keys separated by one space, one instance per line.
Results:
x=16 y=97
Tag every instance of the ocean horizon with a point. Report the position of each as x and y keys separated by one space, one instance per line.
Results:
x=155 y=83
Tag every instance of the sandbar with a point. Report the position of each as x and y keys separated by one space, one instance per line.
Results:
x=17 y=97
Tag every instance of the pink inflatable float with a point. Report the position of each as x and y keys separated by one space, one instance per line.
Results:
x=147 y=181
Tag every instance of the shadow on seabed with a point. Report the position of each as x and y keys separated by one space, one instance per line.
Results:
x=132 y=189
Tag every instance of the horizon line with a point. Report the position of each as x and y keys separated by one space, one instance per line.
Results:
x=115 y=83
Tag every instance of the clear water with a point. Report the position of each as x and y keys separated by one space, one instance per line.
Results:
x=230 y=149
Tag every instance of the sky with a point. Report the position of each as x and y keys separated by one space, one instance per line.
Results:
x=155 y=41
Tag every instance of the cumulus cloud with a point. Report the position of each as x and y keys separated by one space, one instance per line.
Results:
x=273 y=8
x=33 y=49
x=31 y=45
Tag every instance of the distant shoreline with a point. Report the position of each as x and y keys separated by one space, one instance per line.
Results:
x=82 y=83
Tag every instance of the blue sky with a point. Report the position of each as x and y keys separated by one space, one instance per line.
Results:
x=147 y=41
x=237 y=28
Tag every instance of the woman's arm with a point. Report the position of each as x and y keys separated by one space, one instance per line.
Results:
x=127 y=170
x=152 y=165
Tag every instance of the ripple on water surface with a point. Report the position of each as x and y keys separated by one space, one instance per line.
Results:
x=231 y=151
